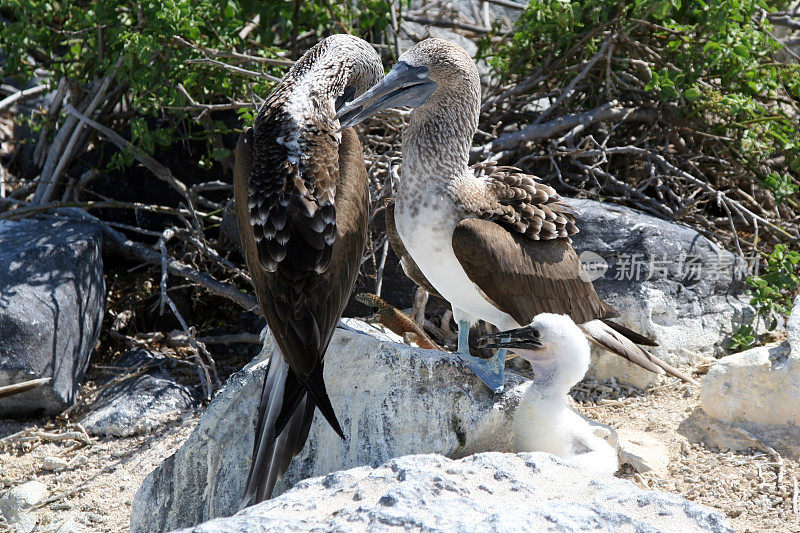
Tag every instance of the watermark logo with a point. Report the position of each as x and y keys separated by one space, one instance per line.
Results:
x=594 y=266
x=682 y=267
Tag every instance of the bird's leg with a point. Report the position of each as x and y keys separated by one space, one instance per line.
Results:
x=463 y=338
x=491 y=371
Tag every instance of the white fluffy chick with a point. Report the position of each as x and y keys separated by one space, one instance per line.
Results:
x=559 y=354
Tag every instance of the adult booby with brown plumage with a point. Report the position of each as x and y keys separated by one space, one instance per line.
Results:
x=301 y=199
x=492 y=240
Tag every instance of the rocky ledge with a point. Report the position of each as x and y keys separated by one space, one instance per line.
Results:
x=484 y=492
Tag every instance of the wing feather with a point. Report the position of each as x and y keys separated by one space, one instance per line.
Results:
x=525 y=277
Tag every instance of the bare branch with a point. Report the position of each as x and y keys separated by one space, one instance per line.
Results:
x=8 y=101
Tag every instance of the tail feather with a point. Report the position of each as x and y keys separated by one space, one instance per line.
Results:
x=615 y=339
x=315 y=385
x=272 y=451
x=630 y=334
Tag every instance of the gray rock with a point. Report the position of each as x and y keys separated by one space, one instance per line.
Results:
x=758 y=386
x=54 y=464
x=52 y=296
x=485 y=492
x=668 y=282
x=16 y=505
x=391 y=400
x=743 y=437
x=139 y=404
x=758 y=391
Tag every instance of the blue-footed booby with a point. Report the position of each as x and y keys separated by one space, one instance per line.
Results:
x=493 y=241
x=544 y=422
x=301 y=201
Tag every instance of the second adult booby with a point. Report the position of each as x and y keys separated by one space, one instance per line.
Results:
x=302 y=205
x=492 y=240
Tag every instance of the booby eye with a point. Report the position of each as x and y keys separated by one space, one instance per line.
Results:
x=535 y=333
x=347 y=95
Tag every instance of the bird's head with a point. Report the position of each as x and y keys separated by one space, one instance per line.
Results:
x=354 y=59
x=430 y=67
x=554 y=346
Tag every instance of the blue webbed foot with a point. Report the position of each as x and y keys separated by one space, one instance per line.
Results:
x=491 y=371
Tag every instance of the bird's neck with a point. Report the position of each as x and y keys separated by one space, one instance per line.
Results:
x=315 y=85
x=550 y=381
x=437 y=140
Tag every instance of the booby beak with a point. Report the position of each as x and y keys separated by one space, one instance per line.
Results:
x=526 y=338
x=405 y=85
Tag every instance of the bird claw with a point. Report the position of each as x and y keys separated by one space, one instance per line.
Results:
x=490 y=371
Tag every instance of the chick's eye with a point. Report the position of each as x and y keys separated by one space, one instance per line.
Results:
x=536 y=333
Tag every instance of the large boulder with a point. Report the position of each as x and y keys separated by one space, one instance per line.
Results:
x=52 y=297
x=759 y=389
x=667 y=281
x=484 y=492
x=391 y=399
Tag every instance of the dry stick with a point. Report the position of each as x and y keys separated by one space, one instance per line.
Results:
x=21 y=95
x=672 y=168
x=234 y=338
x=22 y=212
x=237 y=55
x=249 y=27
x=202 y=370
x=567 y=93
x=526 y=83
x=379 y=281
x=507 y=3
x=54 y=152
x=67 y=154
x=52 y=115
x=420 y=302
x=605 y=112
x=234 y=68
x=24 y=386
x=214 y=255
x=159 y=170
x=396 y=31
x=116 y=241
x=447 y=24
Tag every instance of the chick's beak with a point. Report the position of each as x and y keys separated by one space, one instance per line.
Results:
x=526 y=338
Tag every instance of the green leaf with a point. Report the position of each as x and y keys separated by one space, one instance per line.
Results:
x=692 y=94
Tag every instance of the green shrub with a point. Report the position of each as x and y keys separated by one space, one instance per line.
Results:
x=771 y=294
x=707 y=67
x=81 y=41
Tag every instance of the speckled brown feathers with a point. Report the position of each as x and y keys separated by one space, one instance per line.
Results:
x=291 y=189
x=518 y=201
